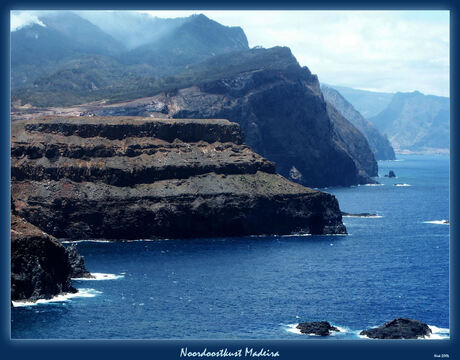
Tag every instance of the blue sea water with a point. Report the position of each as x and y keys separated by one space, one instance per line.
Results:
x=393 y=265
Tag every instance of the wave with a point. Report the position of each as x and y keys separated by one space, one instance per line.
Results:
x=371 y=185
x=79 y=241
x=437 y=222
x=438 y=333
x=363 y=216
x=101 y=276
x=84 y=293
x=402 y=185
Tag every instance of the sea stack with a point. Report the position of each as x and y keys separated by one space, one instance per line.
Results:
x=137 y=178
x=399 y=329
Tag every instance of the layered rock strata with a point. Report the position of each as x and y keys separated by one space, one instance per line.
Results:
x=133 y=178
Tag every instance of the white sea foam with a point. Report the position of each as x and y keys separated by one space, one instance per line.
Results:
x=437 y=222
x=359 y=216
x=102 y=276
x=372 y=185
x=79 y=241
x=403 y=185
x=85 y=293
x=292 y=328
x=438 y=333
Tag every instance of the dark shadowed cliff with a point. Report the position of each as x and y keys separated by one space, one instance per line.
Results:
x=40 y=266
x=134 y=178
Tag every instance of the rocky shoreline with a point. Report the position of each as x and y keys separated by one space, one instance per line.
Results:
x=138 y=178
x=40 y=266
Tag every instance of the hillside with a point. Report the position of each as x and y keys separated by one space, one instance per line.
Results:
x=367 y=103
x=378 y=143
x=416 y=122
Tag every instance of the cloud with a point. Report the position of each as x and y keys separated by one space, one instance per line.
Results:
x=19 y=19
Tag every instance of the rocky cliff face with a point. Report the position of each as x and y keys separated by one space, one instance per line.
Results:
x=134 y=178
x=40 y=266
x=378 y=143
x=280 y=108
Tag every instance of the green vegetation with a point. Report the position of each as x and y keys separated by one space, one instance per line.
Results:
x=95 y=78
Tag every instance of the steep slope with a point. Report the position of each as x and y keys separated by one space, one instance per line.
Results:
x=40 y=266
x=195 y=40
x=280 y=108
x=137 y=178
x=37 y=50
x=416 y=122
x=368 y=103
x=379 y=144
x=40 y=53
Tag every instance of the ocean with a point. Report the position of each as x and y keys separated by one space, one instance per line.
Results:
x=394 y=264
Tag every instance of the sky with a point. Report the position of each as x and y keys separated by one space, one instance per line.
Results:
x=385 y=51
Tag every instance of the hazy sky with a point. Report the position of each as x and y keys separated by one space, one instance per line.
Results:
x=377 y=50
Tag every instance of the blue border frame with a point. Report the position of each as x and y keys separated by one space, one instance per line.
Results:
x=170 y=349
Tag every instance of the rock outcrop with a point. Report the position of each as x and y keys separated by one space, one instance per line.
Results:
x=321 y=328
x=40 y=266
x=134 y=178
x=399 y=329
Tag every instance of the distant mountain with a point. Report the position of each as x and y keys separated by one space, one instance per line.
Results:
x=416 y=122
x=368 y=103
x=378 y=143
x=71 y=55
x=193 y=41
x=132 y=28
x=37 y=50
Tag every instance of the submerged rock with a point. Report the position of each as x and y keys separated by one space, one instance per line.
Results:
x=399 y=329
x=321 y=328
x=135 y=178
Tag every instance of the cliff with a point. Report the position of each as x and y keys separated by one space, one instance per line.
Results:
x=134 y=178
x=40 y=265
x=279 y=106
x=378 y=143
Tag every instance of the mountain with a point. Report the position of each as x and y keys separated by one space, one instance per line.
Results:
x=38 y=50
x=132 y=28
x=279 y=106
x=193 y=41
x=367 y=103
x=212 y=74
x=416 y=122
x=378 y=143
